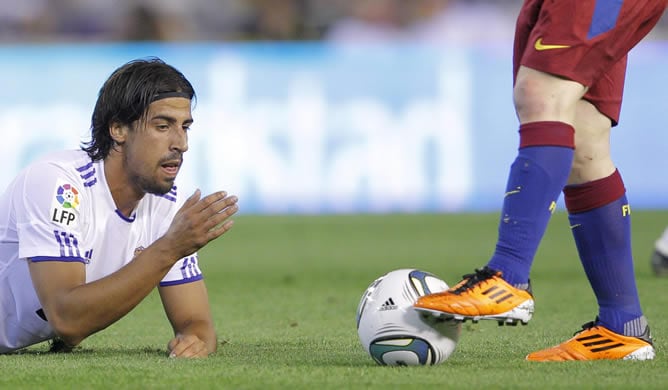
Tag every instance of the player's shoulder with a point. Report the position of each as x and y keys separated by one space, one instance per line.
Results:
x=72 y=165
x=173 y=199
x=66 y=160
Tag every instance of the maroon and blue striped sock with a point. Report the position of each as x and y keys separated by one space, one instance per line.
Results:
x=600 y=220
x=536 y=179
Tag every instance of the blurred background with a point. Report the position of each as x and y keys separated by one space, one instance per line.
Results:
x=28 y=21
x=314 y=106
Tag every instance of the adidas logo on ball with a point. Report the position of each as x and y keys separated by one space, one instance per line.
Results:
x=388 y=305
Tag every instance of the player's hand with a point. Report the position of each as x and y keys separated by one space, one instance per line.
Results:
x=201 y=220
x=187 y=346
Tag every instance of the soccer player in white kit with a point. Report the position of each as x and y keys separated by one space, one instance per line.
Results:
x=85 y=235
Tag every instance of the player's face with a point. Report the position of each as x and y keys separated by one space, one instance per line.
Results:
x=154 y=150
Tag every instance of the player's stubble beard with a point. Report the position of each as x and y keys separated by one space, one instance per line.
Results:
x=150 y=184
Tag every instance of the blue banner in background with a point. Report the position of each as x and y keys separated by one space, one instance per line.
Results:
x=307 y=128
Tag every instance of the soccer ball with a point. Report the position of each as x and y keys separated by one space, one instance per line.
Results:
x=393 y=332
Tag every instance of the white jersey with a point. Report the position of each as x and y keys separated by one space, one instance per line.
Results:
x=60 y=209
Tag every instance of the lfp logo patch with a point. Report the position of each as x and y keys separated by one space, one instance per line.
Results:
x=65 y=204
x=68 y=196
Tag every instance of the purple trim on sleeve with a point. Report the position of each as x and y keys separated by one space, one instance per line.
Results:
x=85 y=167
x=38 y=259
x=88 y=175
x=171 y=195
x=181 y=281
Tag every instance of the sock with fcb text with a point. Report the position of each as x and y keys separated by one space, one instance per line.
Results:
x=536 y=179
x=600 y=220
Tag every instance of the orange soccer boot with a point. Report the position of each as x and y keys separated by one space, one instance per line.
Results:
x=483 y=295
x=595 y=342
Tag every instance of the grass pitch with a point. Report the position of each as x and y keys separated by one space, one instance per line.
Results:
x=284 y=291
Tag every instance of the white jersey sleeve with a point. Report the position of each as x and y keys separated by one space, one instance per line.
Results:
x=187 y=269
x=48 y=216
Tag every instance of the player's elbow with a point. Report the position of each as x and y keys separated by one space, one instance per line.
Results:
x=68 y=331
x=70 y=339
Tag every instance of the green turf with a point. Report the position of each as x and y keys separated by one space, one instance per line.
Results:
x=284 y=291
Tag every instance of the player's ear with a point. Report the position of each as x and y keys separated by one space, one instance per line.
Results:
x=118 y=133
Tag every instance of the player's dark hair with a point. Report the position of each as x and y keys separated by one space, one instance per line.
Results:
x=126 y=95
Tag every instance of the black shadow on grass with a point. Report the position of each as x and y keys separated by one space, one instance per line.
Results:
x=99 y=351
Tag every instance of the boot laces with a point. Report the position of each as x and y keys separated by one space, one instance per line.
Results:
x=472 y=280
x=646 y=336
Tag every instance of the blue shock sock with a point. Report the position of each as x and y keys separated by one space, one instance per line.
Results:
x=600 y=219
x=536 y=179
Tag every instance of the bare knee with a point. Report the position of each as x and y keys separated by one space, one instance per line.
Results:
x=592 y=159
x=539 y=96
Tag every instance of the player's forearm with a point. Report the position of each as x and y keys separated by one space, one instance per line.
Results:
x=91 y=307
